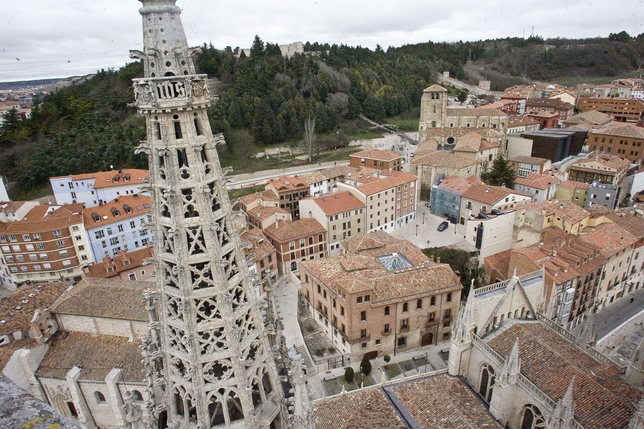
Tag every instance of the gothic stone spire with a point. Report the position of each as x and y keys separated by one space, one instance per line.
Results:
x=512 y=367
x=211 y=356
x=564 y=410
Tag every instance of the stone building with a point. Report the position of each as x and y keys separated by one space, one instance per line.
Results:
x=623 y=109
x=380 y=296
x=599 y=167
x=446 y=125
x=623 y=140
x=588 y=120
x=289 y=191
x=209 y=355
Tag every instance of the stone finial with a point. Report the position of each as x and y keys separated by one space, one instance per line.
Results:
x=564 y=410
x=512 y=367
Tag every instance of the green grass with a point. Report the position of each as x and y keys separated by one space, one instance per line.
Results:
x=418 y=363
x=444 y=355
x=361 y=134
x=403 y=124
x=332 y=387
x=238 y=193
x=347 y=386
x=392 y=370
x=17 y=194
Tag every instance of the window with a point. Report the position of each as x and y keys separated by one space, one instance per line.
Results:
x=404 y=324
x=448 y=313
x=120 y=228
x=114 y=241
x=131 y=276
x=13 y=238
x=100 y=398
x=26 y=237
x=3 y=239
x=449 y=297
x=432 y=300
x=419 y=304
x=58 y=233
x=402 y=342
x=363 y=333
x=405 y=307
x=33 y=257
x=341 y=311
x=387 y=311
x=363 y=316
x=532 y=418
x=359 y=300
x=99 y=234
x=367 y=298
x=432 y=316
x=386 y=328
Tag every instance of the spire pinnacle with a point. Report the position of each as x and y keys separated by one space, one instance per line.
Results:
x=512 y=367
x=564 y=410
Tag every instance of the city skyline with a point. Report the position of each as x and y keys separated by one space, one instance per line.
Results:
x=60 y=39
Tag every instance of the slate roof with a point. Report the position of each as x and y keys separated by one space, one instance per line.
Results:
x=106 y=298
x=602 y=398
x=96 y=355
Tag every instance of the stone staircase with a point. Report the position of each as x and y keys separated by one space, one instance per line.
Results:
x=310 y=368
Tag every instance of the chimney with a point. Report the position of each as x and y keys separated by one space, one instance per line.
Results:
x=438 y=259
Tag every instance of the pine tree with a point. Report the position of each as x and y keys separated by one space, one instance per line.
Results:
x=501 y=173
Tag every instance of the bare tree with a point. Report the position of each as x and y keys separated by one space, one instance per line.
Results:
x=309 y=134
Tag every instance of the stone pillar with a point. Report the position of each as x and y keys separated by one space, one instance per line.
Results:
x=114 y=398
x=84 y=414
x=29 y=366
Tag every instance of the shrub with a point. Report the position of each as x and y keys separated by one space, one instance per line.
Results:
x=310 y=328
x=320 y=351
x=348 y=374
x=331 y=349
x=365 y=366
x=387 y=358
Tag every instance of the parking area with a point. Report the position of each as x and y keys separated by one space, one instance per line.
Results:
x=423 y=231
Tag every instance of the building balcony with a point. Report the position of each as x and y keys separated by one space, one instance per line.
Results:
x=171 y=91
x=433 y=322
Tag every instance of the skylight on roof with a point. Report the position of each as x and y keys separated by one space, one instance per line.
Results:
x=394 y=261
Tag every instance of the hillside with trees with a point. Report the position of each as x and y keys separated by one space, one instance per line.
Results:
x=265 y=99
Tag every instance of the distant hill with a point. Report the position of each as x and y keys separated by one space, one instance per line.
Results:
x=264 y=98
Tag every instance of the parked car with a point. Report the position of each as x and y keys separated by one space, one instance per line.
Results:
x=443 y=226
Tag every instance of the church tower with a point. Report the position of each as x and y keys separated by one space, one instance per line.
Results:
x=208 y=359
x=433 y=110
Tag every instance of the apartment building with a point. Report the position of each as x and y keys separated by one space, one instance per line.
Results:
x=599 y=167
x=262 y=258
x=290 y=190
x=118 y=225
x=480 y=199
x=380 y=159
x=623 y=109
x=622 y=140
x=50 y=243
x=93 y=188
x=133 y=265
x=342 y=213
x=381 y=296
x=297 y=241
x=390 y=200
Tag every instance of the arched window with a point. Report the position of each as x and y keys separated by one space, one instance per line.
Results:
x=137 y=395
x=433 y=124
x=487 y=380
x=532 y=418
x=450 y=140
x=100 y=398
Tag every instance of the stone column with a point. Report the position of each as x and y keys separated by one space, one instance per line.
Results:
x=84 y=414
x=114 y=399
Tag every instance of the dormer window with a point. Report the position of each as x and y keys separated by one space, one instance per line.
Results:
x=96 y=217
x=115 y=212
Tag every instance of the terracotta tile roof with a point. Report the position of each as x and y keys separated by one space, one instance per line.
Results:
x=572 y=212
x=338 y=202
x=96 y=355
x=604 y=160
x=288 y=231
x=488 y=194
x=571 y=185
x=629 y=220
x=435 y=88
x=261 y=196
x=263 y=213
x=105 y=179
x=444 y=159
x=472 y=142
x=45 y=218
x=539 y=181
x=360 y=409
x=393 y=179
x=126 y=207
x=438 y=401
x=372 y=240
x=443 y=402
x=500 y=262
x=627 y=130
x=7 y=351
x=11 y=206
x=517 y=121
x=456 y=185
x=364 y=272
x=603 y=399
x=591 y=117
x=380 y=154
x=288 y=183
x=29 y=298
x=123 y=261
x=542 y=114
x=105 y=298
x=528 y=160
x=452 y=111
x=314 y=177
x=609 y=236
x=261 y=247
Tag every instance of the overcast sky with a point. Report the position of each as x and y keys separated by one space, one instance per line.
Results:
x=57 y=38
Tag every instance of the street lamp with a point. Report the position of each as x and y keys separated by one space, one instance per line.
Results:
x=423 y=218
x=416 y=230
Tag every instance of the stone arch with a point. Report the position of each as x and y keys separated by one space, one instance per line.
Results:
x=427 y=339
x=532 y=418
x=100 y=398
x=486 y=381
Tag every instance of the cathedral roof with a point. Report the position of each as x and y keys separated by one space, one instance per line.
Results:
x=96 y=355
x=105 y=298
x=434 y=401
x=603 y=398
